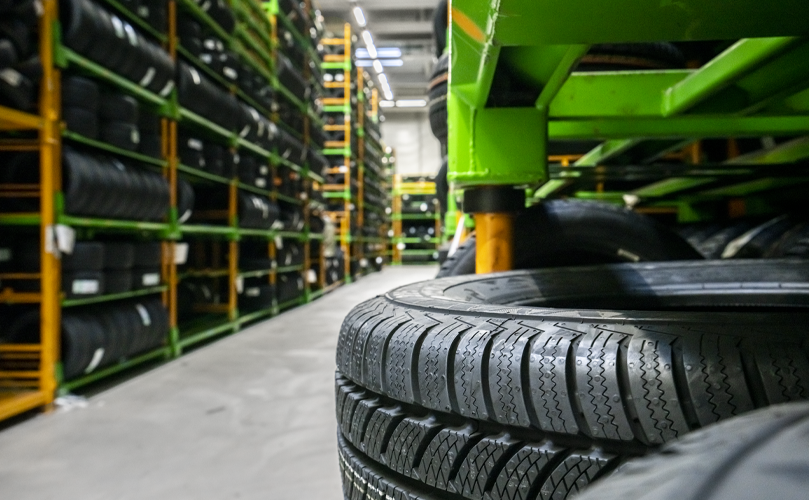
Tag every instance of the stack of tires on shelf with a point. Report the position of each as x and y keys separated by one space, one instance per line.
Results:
x=419 y=214
x=20 y=66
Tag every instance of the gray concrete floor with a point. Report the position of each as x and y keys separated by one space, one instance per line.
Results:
x=249 y=417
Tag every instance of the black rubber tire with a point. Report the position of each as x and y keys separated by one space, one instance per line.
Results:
x=461 y=386
x=656 y=55
x=81 y=121
x=761 y=455
x=80 y=92
x=757 y=242
x=86 y=256
x=119 y=256
x=121 y=135
x=118 y=108
x=713 y=246
x=437 y=97
x=118 y=282
x=148 y=254
x=794 y=243
x=562 y=233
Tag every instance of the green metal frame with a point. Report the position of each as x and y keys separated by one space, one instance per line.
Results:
x=759 y=86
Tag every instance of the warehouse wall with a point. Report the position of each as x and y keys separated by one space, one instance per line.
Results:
x=417 y=151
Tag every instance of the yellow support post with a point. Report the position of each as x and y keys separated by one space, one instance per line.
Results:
x=495 y=234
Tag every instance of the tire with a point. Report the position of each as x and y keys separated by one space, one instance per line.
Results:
x=80 y=92
x=118 y=282
x=145 y=277
x=121 y=135
x=437 y=96
x=118 y=108
x=148 y=254
x=562 y=233
x=756 y=242
x=746 y=458
x=505 y=385
x=794 y=243
x=119 y=256
x=714 y=246
x=86 y=256
x=81 y=121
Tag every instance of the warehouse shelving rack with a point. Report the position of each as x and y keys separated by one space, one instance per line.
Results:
x=30 y=373
x=373 y=179
x=419 y=187
x=754 y=88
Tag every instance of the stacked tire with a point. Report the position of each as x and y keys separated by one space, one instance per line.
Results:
x=20 y=67
x=96 y=337
x=534 y=384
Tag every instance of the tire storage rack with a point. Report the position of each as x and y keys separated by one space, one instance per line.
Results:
x=416 y=221
x=159 y=189
x=356 y=183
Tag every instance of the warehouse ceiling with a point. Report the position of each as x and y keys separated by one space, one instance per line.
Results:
x=406 y=25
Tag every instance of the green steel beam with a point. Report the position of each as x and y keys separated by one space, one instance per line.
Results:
x=560 y=75
x=675 y=127
x=792 y=151
x=750 y=187
x=671 y=186
x=549 y=22
x=740 y=59
x=605 y=151
x=619 y=94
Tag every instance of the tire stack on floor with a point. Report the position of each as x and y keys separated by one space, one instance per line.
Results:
x=535 y=384
x=782 y=236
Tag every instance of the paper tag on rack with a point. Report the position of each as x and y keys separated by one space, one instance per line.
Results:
x=311 y=276
x=85 y=287
x=65 y=238
x=180 y=253
x=150 y=279
x=5 y=254
x=239 y=284
x=279 y=242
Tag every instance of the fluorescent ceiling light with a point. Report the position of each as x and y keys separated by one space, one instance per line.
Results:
x=367 y=63
x=411 y=103
x=386 y=104
x=382 y=53
x=388 y=94
x=378 y=66
x=369 y=44
x=359 y=15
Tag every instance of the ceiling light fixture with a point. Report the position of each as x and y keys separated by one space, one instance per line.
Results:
x=411 y=103
x=383 y=82
x=378 y=66
x=382 y=52
x=386 y=104
x=367 y=63
x=369 y=44
x=359 y=15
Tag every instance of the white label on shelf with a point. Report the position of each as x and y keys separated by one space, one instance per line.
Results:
x=65 y=238
x=180 y=253
x=85 y=287
x=135 y=136
x=311 y=276
x=148 y=77
x=279 y=242
x=230 y=73
x=261 y=182
x=253 y=291
x=343 y=169
x=194 y=144
x=239 y=284
x=400 y=246
x=98 y=355
x=363 y=262
x=10 y=76
x=5 y=254
x=144 y=315
x=167 y=89
x=264 y=170
x=423 y=207
x=150 y=279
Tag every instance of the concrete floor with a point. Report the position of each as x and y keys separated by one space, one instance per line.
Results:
x=249 y=417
